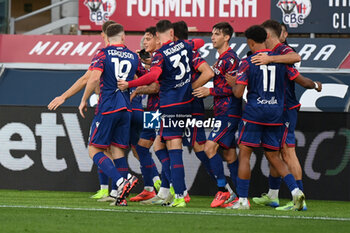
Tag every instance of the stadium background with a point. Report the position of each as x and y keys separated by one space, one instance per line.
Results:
x=39 y=60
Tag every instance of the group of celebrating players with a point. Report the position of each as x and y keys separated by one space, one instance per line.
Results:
x=172 y=73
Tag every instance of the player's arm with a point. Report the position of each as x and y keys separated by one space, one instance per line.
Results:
x=90 y=87
x=264 y=59
x=241 y=79
x=153 y=88
x=308 y=83
x=74 y=89
x=206 y=74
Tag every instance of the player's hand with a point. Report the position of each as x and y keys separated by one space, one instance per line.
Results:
x=56 y=102
x=261 y=59
x=319 y=89
x=133 y=95
x=123 y=85
x=231 y=80
x=83 y=108
x=201 y=92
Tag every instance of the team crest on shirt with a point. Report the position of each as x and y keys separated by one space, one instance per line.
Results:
x=294 y=11
x=100 y=10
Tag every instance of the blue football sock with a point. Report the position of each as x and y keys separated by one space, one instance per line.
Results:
x=290 y=181
x=107 y=166
x=147 y=164
x=165 y=182
x=233 y=167
x=242 y=187
x=122 y=166
x=164 y=158
x=300 y=185
x=103 y=178
x=218 y=170
x=154 y=169
x=177 y=171
x=205 y=161
x=274 y=182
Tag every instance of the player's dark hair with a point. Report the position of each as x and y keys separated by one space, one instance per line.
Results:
x=164 y=25
x=274 y=26
x=256 y=33
x=285 y=26
x=151 y=30
x=181 y=30
x=106 y=24
x=114 y=29
x=225 y=28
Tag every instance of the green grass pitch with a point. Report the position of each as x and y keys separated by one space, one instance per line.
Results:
x=48 y=211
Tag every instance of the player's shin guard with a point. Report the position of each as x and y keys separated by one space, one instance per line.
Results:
x=290 y=181
x=177 y=171
x=107 y=166
x=205 y=161
x=233 y=167
x=147 y=164
x=242 y=187
x=218 y=170
x=163 y=157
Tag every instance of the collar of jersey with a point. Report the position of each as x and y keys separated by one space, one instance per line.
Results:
x=223 y=54
x=168 y=42
x=116 y=45
x=277 y=45
x=263 y=50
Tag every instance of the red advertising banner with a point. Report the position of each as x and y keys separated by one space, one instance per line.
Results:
x=62 y=49
x=200 y=15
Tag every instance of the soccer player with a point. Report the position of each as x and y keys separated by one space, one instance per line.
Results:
x=274 y=33
x=147 y=136
x=262 y=120
x=74 y=89
x=171 y=64
x=227 y=109
x=201 y=74
x=111 y=124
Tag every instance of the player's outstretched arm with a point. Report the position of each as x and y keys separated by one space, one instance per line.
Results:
x=264 y=59
x=308 y=83
x=90 y=87
x=206 y=74
x=74 y=89
x=238 y=90
x=153 y=88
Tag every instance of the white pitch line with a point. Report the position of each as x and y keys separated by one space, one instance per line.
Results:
x=210 y=213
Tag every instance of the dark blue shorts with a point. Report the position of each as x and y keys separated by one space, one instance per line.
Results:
x=291 y=117
x=149 y=134
x=136 y=127
x=225 y=134
x=110 y=129
x=194 y=134
x=255 y=135
x=174 y=121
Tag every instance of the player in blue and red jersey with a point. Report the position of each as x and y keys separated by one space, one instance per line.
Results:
x=148 y=136
x=172 y=65
x=262 y=120
x=201 y=73
x=227 y=109
x=74 y=89
x=111 y=124
x=292 y=105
